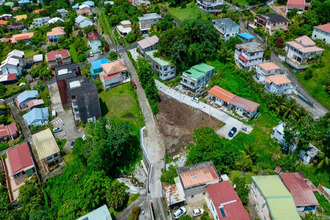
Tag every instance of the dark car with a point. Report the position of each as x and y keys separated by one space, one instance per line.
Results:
x=55 y=130
x=232 y=132
x=72 y=145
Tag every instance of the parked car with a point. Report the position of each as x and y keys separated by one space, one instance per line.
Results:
x=91 y=54
x=54 y=113
x=180 y=212
x=195 y=99
x=232 y=132
x=197 y=212
x=56 y=130
x=72 y=145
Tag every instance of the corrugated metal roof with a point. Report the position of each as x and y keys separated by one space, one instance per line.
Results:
x=45 y=143
x=101 y=213
x=26 y=95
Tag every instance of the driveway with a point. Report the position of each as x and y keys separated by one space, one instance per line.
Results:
x=220 y=115
x=64 y=119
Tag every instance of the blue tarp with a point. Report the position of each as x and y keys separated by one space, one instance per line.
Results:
x=246 y=36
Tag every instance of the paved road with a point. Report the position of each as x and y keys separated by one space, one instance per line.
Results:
x=153 y=143
x=143 y=203
x=24 y=128
x=220 y=115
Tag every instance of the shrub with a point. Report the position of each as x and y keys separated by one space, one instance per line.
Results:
x=136 y=212
x=169 y=175
x=82 y=57
x=113 y=55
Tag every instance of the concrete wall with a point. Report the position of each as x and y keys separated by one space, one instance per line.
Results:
x=259 y=202
x=318 y=34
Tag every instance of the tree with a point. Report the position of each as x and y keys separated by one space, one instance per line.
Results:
x=82 y=57
x=249 y=152
x=292 y=13
x=136 y=29
x=278 y=104
x=169 y=175
x=323 y=161
x=131 y=37
x=116 y=195
x=113 y=55
x=241 y=189
x=3 y=89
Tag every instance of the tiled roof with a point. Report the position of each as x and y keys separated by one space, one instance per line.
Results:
x=244 y=104
x=3 y=22
x=223 y=195
x=111 y=76
x=52 y=55
x=325 y=27
x=56 y=31
x=21 y=17
x=221 y=93
x=304 y=44
x=35 y=102
x=148 y=42
x=114 y=67
x=278 y=79
x=37 y=11
x=93 y=36
x=8 y=130
x=19 y=158
x=24 y=36
x=301 y=192
x=269 y=66
x=300 y=4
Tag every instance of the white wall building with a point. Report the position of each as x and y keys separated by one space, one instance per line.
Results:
x=322 y=32
x=209 y=5
x=38 y=22
x=164 y=69
x=227 y=28
x=278 y=84
x=147 y=20
x=264 y=70
x=248 y=55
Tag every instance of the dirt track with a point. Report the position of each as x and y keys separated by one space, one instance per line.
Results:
x=177 y=122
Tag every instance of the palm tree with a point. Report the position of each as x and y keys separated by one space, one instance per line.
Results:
x=290 y=108
x=302 y=112
x=249 y=152
x=324 y=161
x=278 y=103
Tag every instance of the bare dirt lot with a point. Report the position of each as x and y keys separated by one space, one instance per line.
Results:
x=177 y=122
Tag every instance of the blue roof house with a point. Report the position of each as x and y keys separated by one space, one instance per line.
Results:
x=101 y=213
x=97 y=66
x=246 y=37
x=26 y=96
x=36 y=117
x=89 y=3
x=76 y=6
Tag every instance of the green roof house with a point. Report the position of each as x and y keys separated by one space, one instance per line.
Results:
x=101 y=213
x=272 y=199
x=197 y=76
x=164 y=69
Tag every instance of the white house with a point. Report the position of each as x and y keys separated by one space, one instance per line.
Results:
x=114 y=74
x=197 y=77
x=220 y=96
x=209 y=5
x=18 y=54
x=227 y=28
x=272 y=22
x=278 y=84
x=164 y=69
x=264 y=70
x=148 y=44
x=322 y=32
x=83 y=22
x=124 y=28
x=248 y=55
x=147 y=20
x=38 y=22
x=10 y=66
x=307 y=155
x=55 y=20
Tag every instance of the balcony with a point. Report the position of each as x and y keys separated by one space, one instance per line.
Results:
x=74 y=104
x=187 y=84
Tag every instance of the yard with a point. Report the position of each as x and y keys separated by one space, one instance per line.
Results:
x=104 y=22
x=121 y=103
x=73 y=53
x=190 y=12
x=30 y=52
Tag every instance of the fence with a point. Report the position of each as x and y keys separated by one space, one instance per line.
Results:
x=145 y=158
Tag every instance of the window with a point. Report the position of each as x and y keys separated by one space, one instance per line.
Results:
x=203 y=193
x=192 y=196
x=222 y=211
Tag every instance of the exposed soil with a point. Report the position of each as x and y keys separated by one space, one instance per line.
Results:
x=177 y=122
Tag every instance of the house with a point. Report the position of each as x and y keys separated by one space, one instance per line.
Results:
x=6 y=16
x=244 y=107
x=278 y=134
x=272 y=22
x=174 y=194
x=25 y=37
x=84 y=99
x=55 y=20
x=139 y=3
x=307 y=155
x=147 y=20
x=147 y=44
x=22 y=2
x=91 y=4
x=197 y=77
x=94 y=41
x=35 y=103
x=83 y=22
x=56 y=33
x=47 y=151
x=57 y=58
x=301 y=5
x=196 y=178
x=114 y=74
x=224 y=203
x=76 y=6
x=83 y=6
x=84 y=11
x=16 y=26
x=164 y=69
x=220 y=96
x=96 y=67
x=21 y=17
x=271 y=199
x=101 y=213
x=38 y=58
x=3 y=22
x=38 y=22
x=19 y=166
x=227 y=28
x=322 y=32
x=278 y=84
x=209 y=5
x=8 y=132
x=62 y=74
x=26 y=96
x=264 y=70
x=62 y=12
x=36 y=117
x=302 y=191
x=37 y=11
x=302 y=49
x=246 y=37
x=19 y=55
x=10 y=66
x=248 y=55
x=8 y=78
x=124 y=28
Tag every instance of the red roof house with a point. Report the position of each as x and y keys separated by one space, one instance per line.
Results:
x=8 y=131
x=58 y=57
x=224 y=202
x=301 y=190
x=93 y=36
x=19 y=158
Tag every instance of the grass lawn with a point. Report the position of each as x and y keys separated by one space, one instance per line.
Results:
x=190 y=12
x=73 y=53
x=11 y=89
x=132 y=198
x=30 y=52
x=324 y=203
x=68 y=157
x=121 y=103
x=247 y=175
x=315 y=86
x=105 y=23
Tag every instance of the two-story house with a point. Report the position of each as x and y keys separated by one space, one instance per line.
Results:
x=164 y=69
x=124 y=28
x=302 y=49
x=248 y=55
x=227 y=28
x=301 y=5
x=114 y=74
x=96 y=67
x=8 y=132
x=278 y=84
x=264 y=70
x=10 y=66
x=322 y=32
x=271 y=199
x=6 y=16
x=84 y=11
x=147 y=20
x=26 y=96
x=209 y=5
x=272 y=22
x=38 y=22
x=57 y=58
x=62 y=12
x=148 y=44
x=83 y=22
x=94 y=41
x=16 y=26
x=56 y=33
x=25 y=37
x=197 y=77
x=37 y=117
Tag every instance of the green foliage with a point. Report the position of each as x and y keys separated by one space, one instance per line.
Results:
x=82 y=57
x=324 y=204
x=165 y=24
x=113 y=55
x=292 y=13
x=3 y=89
x=169 y=175
x=116 y=195
x=42 y=71
x=185 y=217
x=242 y=189
x=130 y=38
